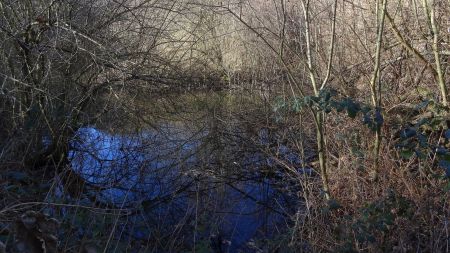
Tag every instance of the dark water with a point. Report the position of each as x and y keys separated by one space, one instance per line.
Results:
x=198 y=185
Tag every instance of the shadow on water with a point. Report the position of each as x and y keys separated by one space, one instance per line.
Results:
x=199 y=184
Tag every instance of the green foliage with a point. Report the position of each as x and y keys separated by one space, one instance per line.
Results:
x=374 y=220
x=417 y=138
x=332 y=205
x=327 y=101
x=379 y=216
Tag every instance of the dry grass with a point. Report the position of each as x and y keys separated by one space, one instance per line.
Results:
x=405 y=210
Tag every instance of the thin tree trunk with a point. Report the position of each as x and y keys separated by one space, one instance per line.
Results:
x=429 y=12
x=321 y=149
x=305 y=5
x=376 y=97
x=319 y=117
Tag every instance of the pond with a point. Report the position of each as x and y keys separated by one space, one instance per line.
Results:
x=204 y=177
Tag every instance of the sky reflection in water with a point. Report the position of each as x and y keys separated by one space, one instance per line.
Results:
x=144 y=167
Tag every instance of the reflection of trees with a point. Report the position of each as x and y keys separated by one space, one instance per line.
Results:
x=184 y=177
x=64 y=63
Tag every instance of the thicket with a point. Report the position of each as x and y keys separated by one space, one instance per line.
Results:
x=366 y=79
x=374 y=82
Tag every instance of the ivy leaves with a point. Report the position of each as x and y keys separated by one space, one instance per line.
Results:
x=327 y=101
x=415 y=140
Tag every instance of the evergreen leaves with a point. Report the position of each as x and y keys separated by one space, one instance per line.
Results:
x=327 y=101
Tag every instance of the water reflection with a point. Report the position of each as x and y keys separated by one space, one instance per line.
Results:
x=206 y=186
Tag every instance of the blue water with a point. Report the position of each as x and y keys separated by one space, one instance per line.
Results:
x=159 y=172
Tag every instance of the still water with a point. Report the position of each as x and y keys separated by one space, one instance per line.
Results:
x=205 y=177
